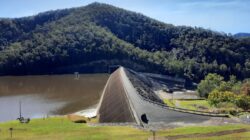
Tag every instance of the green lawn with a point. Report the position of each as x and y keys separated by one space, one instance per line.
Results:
x=194 y=104
x=189 y=104
x=63 y=129
x=169 y=102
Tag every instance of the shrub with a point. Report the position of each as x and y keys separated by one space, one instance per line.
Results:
x=228 y=108
x=243 y=102
x=216 y=97
x=245 y=89
x=226 y=105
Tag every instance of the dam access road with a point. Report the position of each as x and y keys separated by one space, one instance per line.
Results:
x=121 y=102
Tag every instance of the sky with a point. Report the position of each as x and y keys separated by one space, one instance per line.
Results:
x=229 y=16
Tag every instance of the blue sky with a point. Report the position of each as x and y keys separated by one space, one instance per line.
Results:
x=230 y=16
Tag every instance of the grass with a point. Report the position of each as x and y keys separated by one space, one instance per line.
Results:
x=169 y=102
x=238 y=136
x=189 y=104
x=63 y=129
x=201 y=129
x=194 y=104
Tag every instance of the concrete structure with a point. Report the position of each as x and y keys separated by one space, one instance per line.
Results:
x=121 y=102
x=114 y=105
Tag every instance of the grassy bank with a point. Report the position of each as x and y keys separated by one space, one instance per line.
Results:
x=203 y=105
x=195 y=104
x=169 y=102
x=189 y=104
x=62 y=128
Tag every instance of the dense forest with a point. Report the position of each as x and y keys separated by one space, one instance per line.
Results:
x=91 y=38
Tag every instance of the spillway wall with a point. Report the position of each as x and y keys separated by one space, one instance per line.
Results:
x=114 y=105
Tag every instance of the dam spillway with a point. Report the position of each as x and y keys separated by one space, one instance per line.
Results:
x=114 y=106
x=122 y=102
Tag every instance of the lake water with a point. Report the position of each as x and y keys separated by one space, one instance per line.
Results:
x=48 y=95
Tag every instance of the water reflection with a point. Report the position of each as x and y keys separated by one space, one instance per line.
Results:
x=32 y=107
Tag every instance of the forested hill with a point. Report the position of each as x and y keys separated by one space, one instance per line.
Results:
x=90 y=38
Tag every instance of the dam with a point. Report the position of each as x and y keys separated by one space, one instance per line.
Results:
x=115 y=106
x=126 y=98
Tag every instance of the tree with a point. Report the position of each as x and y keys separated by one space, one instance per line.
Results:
x=224 y=86
x=211 y=82
x=223 y=67
x=238 y=67
x=231 y=85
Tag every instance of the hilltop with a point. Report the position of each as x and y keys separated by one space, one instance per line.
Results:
x=88 y=39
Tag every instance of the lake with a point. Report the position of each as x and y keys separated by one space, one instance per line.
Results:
x=48 y=94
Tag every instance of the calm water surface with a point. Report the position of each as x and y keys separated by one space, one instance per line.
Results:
x=48 y=95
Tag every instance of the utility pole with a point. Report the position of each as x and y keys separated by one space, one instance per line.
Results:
x=173 y=99
x=20 y=109
x=11 y=130
x=153 y=132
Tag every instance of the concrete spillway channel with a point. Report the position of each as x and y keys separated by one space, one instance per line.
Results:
x=121 y=102
x=114 y=105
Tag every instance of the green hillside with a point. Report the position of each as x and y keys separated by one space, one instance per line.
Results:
x=89 y=39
